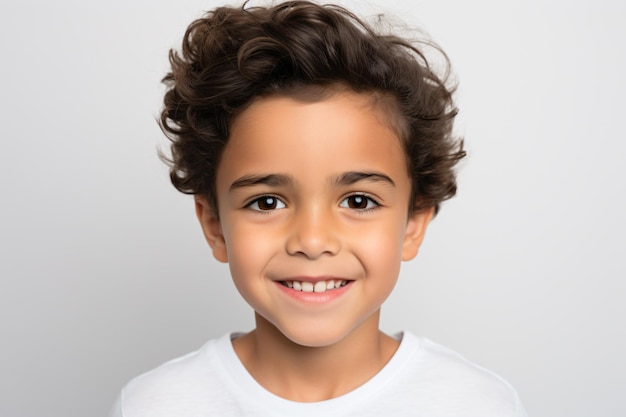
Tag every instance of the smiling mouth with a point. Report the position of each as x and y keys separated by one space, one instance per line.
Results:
x=319 y=286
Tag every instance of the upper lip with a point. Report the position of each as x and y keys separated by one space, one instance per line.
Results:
x=313 y=279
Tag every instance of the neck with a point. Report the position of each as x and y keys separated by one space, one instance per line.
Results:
x=309 y=374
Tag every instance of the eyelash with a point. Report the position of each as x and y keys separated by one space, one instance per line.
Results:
x=277 y=203
x=372 y=203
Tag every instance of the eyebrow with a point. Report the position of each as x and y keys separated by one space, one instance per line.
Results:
x=350 y=178
x=273 y=180
x=276 y=180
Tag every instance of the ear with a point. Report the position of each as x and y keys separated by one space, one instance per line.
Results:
x=211 y=227
x=415 y=231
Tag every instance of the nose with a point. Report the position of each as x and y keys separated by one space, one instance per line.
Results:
x=312 y=234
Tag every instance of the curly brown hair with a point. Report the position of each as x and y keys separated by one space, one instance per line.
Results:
x=232 y=56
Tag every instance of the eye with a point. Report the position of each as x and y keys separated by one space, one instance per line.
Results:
x=359 y=202
x=266 y=203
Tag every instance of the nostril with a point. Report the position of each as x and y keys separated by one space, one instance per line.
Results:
x=312 y=234
x=313 y=250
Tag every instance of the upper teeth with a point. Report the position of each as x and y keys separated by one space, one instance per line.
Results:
x=319 y=286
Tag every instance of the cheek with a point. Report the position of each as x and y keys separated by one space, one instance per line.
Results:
x=380 y=247
x=248 y=250
x=246 y=262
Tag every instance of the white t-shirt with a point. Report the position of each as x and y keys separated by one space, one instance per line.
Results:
x=421 y=379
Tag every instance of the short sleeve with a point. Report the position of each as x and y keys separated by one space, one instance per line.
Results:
x=116 y=410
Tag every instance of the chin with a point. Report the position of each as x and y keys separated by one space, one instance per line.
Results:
x=314 y=339
x=316 y=330
x=319 y=333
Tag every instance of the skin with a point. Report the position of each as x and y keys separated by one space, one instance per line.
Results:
x=313 y=191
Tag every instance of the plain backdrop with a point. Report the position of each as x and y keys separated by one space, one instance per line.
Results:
x=105 y=273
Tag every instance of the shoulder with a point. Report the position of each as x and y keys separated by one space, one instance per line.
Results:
x=438 y=372
x=175 y=385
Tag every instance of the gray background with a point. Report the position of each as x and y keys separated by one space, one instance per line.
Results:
x=105 y=273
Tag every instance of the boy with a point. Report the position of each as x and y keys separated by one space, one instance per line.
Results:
x=317 y=152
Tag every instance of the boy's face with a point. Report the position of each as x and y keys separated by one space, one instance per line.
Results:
x=313 y=196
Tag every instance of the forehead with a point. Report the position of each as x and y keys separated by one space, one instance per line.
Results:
x=344 y=131
x=354 y=123
x=383 y=105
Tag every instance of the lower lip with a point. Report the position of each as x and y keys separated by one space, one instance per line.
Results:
x=315 y=297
